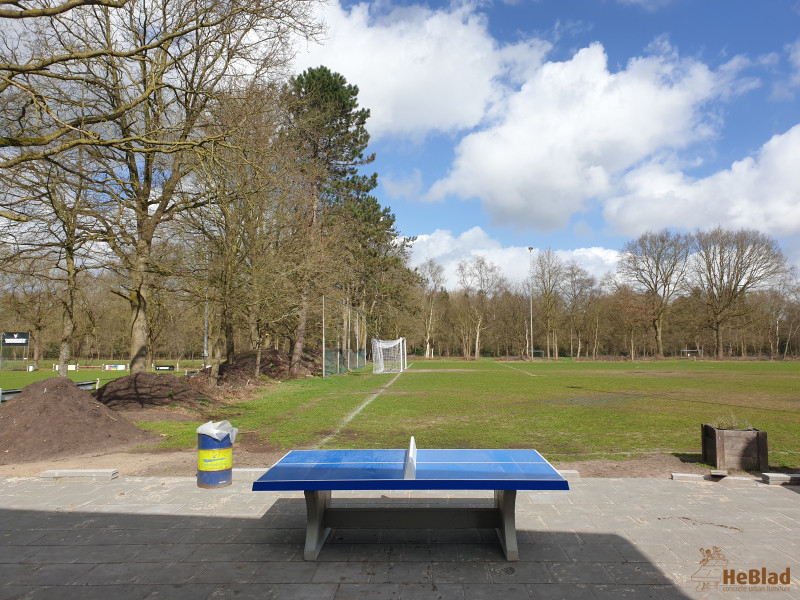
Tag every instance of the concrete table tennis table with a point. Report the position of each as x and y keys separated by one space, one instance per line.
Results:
x=318 y=472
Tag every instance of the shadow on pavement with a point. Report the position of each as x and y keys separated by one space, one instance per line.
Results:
x=72 y=554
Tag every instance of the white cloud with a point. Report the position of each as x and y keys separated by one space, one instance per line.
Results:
x=574 y=127
x=794 y=59
x=418 y=70
x=407 y=186
x=761 y=192
x=785 y=89
x=448 y=250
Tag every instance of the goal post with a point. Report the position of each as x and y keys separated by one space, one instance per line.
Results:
x=389 y=356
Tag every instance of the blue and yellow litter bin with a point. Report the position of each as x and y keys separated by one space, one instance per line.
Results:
x=215 y=454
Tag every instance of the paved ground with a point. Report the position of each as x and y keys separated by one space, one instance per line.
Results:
x=137 y=538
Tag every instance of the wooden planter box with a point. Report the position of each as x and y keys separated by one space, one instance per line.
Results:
x=735 y=448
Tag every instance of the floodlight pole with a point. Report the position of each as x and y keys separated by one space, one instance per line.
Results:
x=205 y=336
x=323 y=337
x=530 y=277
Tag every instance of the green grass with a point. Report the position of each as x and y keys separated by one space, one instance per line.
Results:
x=10 y=380
x=566 y=410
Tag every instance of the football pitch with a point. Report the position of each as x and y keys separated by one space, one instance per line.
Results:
x=565 y=410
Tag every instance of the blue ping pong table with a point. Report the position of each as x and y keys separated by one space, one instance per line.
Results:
x=318 y=472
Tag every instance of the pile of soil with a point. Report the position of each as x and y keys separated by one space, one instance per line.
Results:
x=142 y=391
x=54 y=418
x=274 y=365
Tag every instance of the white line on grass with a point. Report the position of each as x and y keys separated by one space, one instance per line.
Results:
x=353 y=414
x=520 y=370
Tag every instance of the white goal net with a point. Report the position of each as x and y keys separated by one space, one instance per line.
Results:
x=389 y=356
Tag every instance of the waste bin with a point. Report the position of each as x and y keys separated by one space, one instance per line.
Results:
x=215 y=454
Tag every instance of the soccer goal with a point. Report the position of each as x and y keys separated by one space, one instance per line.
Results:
x=389 y=356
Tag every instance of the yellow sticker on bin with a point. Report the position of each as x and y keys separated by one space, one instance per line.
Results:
x=215 y=460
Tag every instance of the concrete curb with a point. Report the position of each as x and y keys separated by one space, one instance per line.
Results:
x=781 y=478
x=80 y=474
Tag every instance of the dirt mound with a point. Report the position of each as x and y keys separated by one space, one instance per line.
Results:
x=274 y=365
x=142 y=391
x=54 y=418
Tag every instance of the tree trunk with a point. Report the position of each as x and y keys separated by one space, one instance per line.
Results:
x=478 y=338
x=547 y=337
x=138 y=301
x=67 y=317
x=555 y=344
x=428 y=328
x=227 y=324
x=300 y=337
x=720 y=351
x=659 y=343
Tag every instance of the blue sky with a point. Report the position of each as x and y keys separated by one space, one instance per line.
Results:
x=574 y=125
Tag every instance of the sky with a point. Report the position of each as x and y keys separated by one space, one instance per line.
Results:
x=573 y=125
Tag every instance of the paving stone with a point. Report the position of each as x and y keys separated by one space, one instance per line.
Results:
x=403 y=572
x=636 y=573
x=592 y=553
x=168 y=573
x=559 y=591
x=460 y=572
x=519 y=572
x=579 y=573
x=16 y=592
x=344 y=572
x=242 y=591
x=633 y=592
x=95 y=592
x=284 y=572
x=354 y=591
x=311 y=591
x=187 y=591
x=163 y=538
x=227 y=572
x=439 y=591
x=45 y=574
x=506 y=591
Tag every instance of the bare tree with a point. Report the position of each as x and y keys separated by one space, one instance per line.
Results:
x=655 y=265
x=153 y=108
x=480 y=280
x=579 y=292
x=729 y=264
x=31 y=10
x=432 y=274
x=47 y=233
x=548 y=281
x=55 y=55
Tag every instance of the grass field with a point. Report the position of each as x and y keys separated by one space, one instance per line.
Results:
x=19 y=379
x=566 y=410
x=10 y=380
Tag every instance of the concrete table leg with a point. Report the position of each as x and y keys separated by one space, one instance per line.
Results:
x=316 y=532
x=505 y=501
